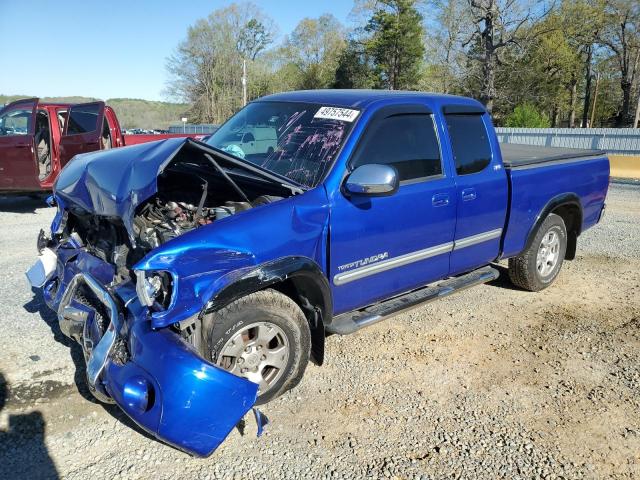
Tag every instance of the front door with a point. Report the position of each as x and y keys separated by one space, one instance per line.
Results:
x=481 y=188
x=83 y=130
x=18 y=166
x=383 y=246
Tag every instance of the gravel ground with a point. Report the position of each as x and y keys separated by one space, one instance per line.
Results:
x=492 y=383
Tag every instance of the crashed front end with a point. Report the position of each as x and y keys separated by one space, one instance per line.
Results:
x=155 y=376
x=134 y=324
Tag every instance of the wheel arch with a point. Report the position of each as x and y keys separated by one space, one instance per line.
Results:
x=569 y=208
x=299 y=278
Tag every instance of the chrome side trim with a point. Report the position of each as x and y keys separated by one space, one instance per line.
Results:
x=358 y=273
x=475 y=239
x=362 y=272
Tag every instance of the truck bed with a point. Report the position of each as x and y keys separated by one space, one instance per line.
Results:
x=514 y=156
x=538 y=175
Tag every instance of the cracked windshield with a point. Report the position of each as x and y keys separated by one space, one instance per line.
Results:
x=298 y=141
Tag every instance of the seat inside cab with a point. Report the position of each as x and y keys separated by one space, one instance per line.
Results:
x=105 y=137
x=42 y=140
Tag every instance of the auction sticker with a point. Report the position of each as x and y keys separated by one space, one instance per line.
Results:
x=335 y=113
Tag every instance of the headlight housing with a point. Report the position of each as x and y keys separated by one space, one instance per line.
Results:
x=154 y=289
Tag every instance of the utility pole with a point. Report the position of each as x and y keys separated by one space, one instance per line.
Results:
x=595 y=97
x=244 y=82
x=637 y=117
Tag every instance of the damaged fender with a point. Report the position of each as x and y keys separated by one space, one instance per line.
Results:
x=205 y=261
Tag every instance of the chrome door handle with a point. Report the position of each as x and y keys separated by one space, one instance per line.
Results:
x=468 y=194
x=440 y=200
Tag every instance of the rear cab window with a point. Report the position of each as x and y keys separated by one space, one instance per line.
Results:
x=83 y=119
x=469 y=142
x=408 y=142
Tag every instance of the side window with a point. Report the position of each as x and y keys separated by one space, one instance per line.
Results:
x=15 y=122
x=407 y=141
x=470 y=143
x=83 y=119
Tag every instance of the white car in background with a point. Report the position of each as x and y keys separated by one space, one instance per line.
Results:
x=258 y=140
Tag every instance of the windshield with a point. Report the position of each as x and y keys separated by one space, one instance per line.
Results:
x=299 y=141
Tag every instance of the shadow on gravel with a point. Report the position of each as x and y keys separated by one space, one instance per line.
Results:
x=38 y=305
x=23 y=453
x=22 y=204
x=503 y=280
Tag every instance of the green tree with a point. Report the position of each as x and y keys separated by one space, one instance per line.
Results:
x=355 y=69
x=527 y=116
x=254 y=37
x=621 y=35
x=312 y=52
x=547 y=72
x=497 y=26
x=582 y=22
x=609 y=96
x=395 y=43
x=445 y=27
x=206 y=68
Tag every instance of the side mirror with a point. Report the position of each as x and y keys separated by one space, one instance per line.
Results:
x=373 y=180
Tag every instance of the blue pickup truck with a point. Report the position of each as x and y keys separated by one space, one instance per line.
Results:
x=201 y=278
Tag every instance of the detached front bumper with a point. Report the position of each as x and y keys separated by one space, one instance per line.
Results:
x=154 y=376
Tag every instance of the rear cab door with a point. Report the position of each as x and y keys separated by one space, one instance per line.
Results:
x=481 y=186
x=18 y=166
x=82 y=131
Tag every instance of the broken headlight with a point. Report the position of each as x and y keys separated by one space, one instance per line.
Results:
x=154 y=288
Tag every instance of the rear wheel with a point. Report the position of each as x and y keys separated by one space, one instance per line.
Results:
x=263 y=337
x=538 y=266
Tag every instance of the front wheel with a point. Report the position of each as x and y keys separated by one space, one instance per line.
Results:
x=538 y=266
x=263 y=337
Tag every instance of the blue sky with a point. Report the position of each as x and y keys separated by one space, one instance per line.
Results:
x=112 y=48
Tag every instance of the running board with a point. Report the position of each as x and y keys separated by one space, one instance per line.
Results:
x=350 y=322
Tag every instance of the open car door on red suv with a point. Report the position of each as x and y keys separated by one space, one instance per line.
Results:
x=18 y=165
x=83 y=130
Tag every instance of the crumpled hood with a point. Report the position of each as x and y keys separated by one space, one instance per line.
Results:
x=115 y=182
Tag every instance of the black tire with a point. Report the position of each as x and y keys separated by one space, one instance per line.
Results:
x=523 y=269
x=263 y=306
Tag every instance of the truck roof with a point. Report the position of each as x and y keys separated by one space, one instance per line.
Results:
x=363 y=98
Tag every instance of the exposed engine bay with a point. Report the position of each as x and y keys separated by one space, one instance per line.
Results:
x=161 y=220
x=190 y=194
